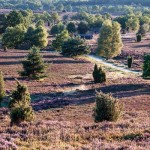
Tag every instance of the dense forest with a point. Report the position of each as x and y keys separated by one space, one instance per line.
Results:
x=69 y=5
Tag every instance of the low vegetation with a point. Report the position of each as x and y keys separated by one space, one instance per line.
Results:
x=107 y=108
x=20 y=109
x=99 y=74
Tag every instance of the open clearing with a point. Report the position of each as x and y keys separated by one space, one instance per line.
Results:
x=64 y=118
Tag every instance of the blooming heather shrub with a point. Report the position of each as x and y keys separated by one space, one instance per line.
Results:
x=2 y=91
x=107 y=108
x=20 y=109
x=99 y=75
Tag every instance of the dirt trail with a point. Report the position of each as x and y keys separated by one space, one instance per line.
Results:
x=120 y=68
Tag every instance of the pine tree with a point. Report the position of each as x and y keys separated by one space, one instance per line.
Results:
x=34 y=67
x=20 y=109
x=2 y=91
x=109 y=42
x=60 y=38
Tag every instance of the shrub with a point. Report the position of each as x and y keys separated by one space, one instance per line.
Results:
x=146 y=66
x=107 y=108
x=130 y=61
x=2 y=91
x=99 y=75
x=138 y=37
x=20 y=109
x=20 y=114
x=75 y=46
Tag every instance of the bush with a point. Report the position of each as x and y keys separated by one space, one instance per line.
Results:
x=20 y=109
x=20 y=114
x=99 y=75
x=75 y=46
x=107 y=108
x=138 y=37
x=146 y=66
x=130 y=61
x=2 y=91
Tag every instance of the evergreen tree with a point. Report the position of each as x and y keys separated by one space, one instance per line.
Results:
x=74 y=46
x=20 y=109
x=2 y=91
x=34 y=67
x=82 y=27
x=146 y=66
x=13 y=36
x=107 y=108
x=109 y=42
x=71 y=27
x=99 y=75
x=37 y=36
x=60 y=38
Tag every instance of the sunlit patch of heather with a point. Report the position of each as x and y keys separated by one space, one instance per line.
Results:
x=7 y=143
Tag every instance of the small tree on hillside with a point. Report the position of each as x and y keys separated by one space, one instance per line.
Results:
x=34 y=67
x=107 y=108
x=20 y=109
x=109 y=42
x=60 y=38
x=2 y=91
x=75 y=46
x=146 y=66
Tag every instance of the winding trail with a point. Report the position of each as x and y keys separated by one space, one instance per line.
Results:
x=121 y=68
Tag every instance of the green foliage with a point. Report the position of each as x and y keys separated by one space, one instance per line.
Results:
x=99 y=75
x=146 y=66
x=20 y=114
x=130 y=61
x=133 y=23
x=13 y=36
x=60 y=38
x=138 y=37
x=122 y=21
x=19 y=97
x=14 y=18
x=20 y=109
x=144 y=29
x=34 y=67
x=37 y=36
x=109 y=42
x=3 y=23
x=107 y=108
x=71 y=27
x=82 y=27
x=56 y=29
x=75 y=46
x=40 y=23
x=2 y=90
